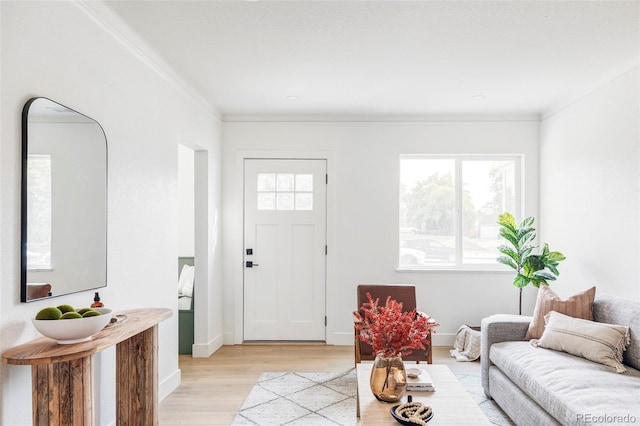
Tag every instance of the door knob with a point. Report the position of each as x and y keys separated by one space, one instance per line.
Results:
x=250 y=264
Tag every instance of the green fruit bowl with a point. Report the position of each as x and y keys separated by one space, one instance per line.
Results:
x=76 y=330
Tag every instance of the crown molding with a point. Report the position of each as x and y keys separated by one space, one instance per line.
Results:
x=112 y=24
x=311 y=118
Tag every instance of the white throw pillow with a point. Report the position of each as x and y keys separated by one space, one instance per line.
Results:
x=595 y=341
x=185 y=283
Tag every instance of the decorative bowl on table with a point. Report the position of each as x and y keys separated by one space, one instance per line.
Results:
x=403 y=416
x=74 y=330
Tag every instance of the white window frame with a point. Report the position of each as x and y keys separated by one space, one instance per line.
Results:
x=518 y=160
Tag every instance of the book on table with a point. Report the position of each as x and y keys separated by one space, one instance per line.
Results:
x=419 y=380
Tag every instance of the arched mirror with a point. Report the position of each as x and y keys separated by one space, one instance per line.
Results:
x=64 y=201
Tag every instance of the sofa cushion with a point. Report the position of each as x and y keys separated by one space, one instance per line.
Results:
x=595 y=341
x=578 y=306
x=521 y=409
x=568 y=387
x=617 y=310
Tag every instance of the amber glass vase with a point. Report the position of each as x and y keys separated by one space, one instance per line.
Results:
x=388 y=378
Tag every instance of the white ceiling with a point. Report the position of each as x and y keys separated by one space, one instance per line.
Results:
x=354 y=59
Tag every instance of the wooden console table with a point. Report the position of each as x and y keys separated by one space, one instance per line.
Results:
x=61 y=374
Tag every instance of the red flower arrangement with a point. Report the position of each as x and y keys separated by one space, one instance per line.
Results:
x=390 y=331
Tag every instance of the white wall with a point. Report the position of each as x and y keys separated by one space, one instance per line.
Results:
x=61 y=51
x=363 y=212
x=186 y=201
x=589 y=189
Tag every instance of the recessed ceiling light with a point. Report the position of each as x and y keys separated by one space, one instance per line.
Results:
x=293 y=98
x=478 y=97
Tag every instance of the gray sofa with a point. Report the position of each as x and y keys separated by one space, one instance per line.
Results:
x=537 y=386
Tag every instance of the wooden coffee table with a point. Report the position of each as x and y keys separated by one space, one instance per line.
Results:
x=451 y=403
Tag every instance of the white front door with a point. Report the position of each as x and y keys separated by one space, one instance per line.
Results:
x=284 y=249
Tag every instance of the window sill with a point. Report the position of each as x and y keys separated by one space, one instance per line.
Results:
x=456 y=269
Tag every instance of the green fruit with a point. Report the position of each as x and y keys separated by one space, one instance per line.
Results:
x=70 y=315
x=50 y=313
x=91 y=313
x=83 y=310
x=66 y=308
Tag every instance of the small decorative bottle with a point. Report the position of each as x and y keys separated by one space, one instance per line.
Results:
x=96 y=301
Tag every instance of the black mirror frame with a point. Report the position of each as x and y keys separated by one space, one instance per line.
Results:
x=23 y=201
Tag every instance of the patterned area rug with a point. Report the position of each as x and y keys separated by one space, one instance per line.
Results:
x=303 y=399
x=494 y=413
x=319 y=399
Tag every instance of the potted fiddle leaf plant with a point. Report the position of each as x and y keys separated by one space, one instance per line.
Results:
x=518 y=253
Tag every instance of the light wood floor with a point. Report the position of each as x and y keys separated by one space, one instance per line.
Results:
x=214 y=388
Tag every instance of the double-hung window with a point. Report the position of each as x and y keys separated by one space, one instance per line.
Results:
x=449 y=206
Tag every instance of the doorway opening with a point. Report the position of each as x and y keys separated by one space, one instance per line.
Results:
x=186 y=249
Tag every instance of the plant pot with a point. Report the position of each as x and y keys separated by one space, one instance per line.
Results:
x=388 y=378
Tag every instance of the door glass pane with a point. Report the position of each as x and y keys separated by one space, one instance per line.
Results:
x=266 y=201
x=285 y=191
x=304 y=182
x=284 y=201
x=284 y=182
x=488 y=191
x=427 y=211
x=266 y=181
x=304 y=201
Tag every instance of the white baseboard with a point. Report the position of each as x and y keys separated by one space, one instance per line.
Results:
x=340 y=338
x=443 y=339
x=228 y=338
x=346 y=339
x=169 y=384
x=205 y=350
